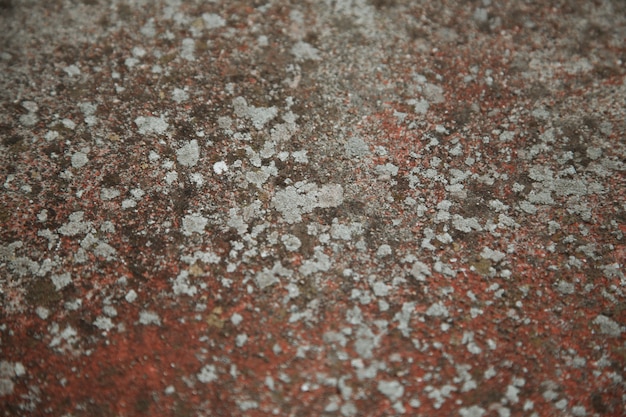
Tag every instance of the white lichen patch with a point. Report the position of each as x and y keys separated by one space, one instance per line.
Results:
x=76 y=225
x=213 y=21
x=437 y=310
x=304 y=51
x=466 y=225
x=403 y=317
x=103 y=323
x=259 y=116
x=319 y=262
x=189 y=154
x=220 y=167
x=387 y=170
x=608 y=326
x=356 y=147
x=61 y=281
x=79 y=160
x=330 y=195
x=493 y=255
x=393 y=390
x=62 y=339
x=150 y=124
x=383 y=251
x=292 y=202
x=291 y=242
x=181 y=285
x=420 y=271
x=473 y=411
x=207 y=257
x=194 y=223
x=149 y=317
x=179 y=95
x=207 y=374
x=107 y=194
x=188 y=49
x=268 y=277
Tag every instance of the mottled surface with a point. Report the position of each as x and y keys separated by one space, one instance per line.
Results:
x=315 y=208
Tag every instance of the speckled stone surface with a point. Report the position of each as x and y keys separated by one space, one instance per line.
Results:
x=314 y=208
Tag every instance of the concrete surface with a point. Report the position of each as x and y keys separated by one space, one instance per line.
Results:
x=314 y=208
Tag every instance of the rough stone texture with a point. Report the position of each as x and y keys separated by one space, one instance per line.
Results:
x=329 y=208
